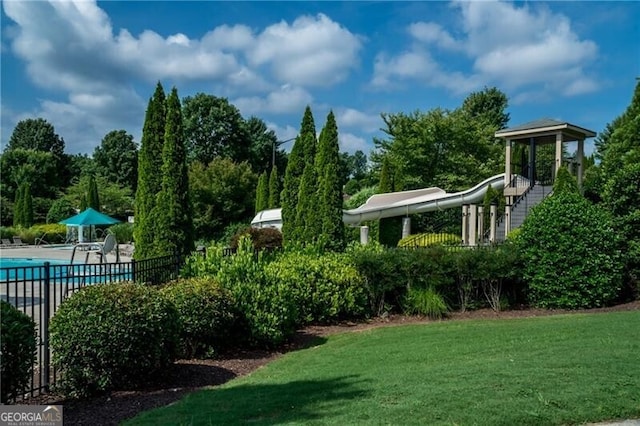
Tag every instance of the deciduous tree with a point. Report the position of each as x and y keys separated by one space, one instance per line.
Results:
x=116 y=158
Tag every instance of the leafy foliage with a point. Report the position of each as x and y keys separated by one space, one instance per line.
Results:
x=222 y=194
x=122 y=231
x=565 y=182
x=52 y=233
x=61 y=209
x=112 y=336
x=149 y=180
x=325 y=288
x=260 y=237
x=571 y=254
x=18 y=348
x=428 y=239
x=93 y=197
x=116 y=158
x=425 y=301
x=214 y=128
x=206 y=316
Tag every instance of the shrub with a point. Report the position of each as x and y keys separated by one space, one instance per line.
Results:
x=570 y=253
x=325 y=288
x=266 y=307
x=52 y=233
x=8 y=231
x=428 y=240
x=207 y=315
x=17 y=351
x=112 y=336
x=388 y=274
x=61 y=209
x=122 y=231
x=425 y=301
x=261 y=237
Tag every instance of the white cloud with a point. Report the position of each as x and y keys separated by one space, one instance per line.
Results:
x=352 y=143
x=310 y=51
x=429 y=32
x=286 y=99
x=72 y=48
x=352 y=118
x=513 y=47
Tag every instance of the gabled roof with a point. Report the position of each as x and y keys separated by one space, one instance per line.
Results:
x=543 y=128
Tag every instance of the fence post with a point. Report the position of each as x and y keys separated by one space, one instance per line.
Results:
x=133 y=270
x=45 y=328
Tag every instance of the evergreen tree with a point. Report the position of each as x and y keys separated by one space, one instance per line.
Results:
x=565 y=182
x=262 y=193
x=173 y=212
x=308 y=222
x=385 y=185
x=293 y=176
x=18 y=206
x=83 y=202
x=274 y=189
x=27 y=206
x=149 y=178
x=330 y=187
x=390 y=227
x=93 y=199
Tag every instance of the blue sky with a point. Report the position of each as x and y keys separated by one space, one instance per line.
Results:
x=89 y=67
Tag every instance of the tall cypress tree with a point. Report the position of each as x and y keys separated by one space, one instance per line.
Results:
x=274 y=189
x=93 y=199
x=330 y=187
x=173 y=212
x=149 y=177
x=308 y=221
x=262 y=193
x=390 y=229
x=293 y=175
x=27 y=206
x=18 y=206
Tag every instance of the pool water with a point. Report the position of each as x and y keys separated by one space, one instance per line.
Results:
x=26 y=268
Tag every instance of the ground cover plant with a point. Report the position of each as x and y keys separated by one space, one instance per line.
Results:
x=565 y=369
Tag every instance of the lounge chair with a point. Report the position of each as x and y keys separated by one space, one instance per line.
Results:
x=17 y=241
x=102 y=249
x=6 y=243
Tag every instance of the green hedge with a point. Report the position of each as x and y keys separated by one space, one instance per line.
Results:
x=208 y=318
x=17 y=351
x=571 y=254
x=428 y=240
x=112 y=336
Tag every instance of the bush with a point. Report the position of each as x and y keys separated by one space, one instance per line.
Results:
x=207 y=316
x=325 y=288
x=570 y=253
x=428 y=240
x=122 y=231
x=17 y=351
x=61 y=209
x=266 y=307
x=112 y=336
x=52 y=233
x=425 y=301
x=261 y=237
x=388 y=274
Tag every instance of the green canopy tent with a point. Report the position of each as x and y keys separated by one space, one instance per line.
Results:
x=89 y=217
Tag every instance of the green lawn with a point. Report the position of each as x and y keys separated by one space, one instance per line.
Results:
x=567 y=369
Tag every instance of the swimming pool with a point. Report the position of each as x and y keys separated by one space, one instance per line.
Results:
x=28 y=268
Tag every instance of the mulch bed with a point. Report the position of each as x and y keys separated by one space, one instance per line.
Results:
x=186 y=376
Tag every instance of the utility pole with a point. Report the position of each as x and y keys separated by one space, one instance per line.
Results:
x=276 y=144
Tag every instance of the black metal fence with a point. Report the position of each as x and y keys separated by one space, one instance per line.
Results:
x=38 y=291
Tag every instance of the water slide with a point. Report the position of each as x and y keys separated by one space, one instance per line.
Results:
x=399 y=203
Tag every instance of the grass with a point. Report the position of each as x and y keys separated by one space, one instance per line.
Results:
x=566 y=369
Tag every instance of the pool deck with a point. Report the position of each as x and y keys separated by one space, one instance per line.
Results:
x=61 y=253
